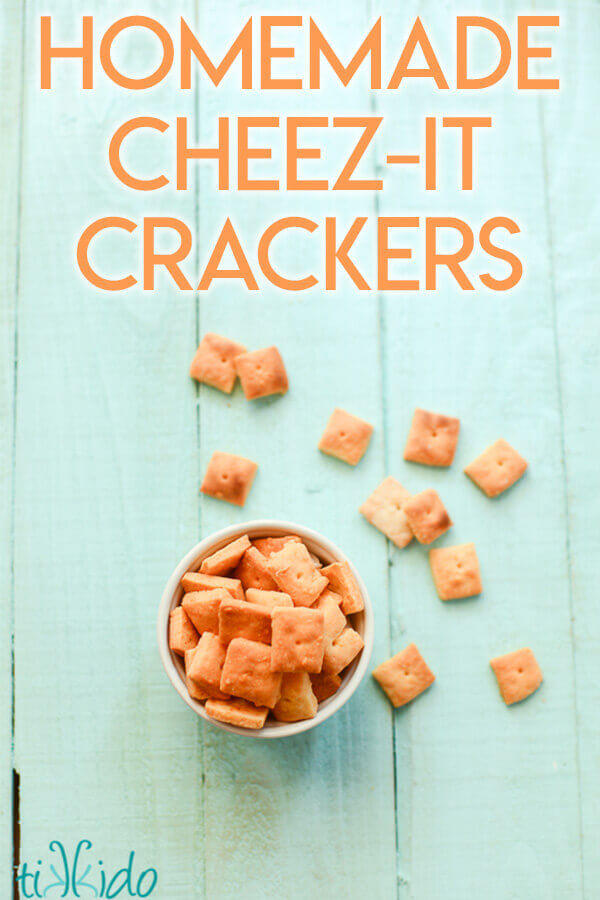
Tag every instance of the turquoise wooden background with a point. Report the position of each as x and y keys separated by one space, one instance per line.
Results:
x=105 y=438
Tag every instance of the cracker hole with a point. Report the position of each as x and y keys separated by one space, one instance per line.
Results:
x=499 y=462
x=520 y=671
x=434 y=434
x=459 y=565
x=223 y=360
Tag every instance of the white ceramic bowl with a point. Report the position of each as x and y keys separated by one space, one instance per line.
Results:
x=328 y=553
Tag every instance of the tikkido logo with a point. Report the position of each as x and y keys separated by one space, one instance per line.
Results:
x=82 y=874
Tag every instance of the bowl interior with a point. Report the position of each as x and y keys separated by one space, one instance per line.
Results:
x=327 y=553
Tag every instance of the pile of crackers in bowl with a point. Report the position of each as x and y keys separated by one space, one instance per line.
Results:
x=266 y=630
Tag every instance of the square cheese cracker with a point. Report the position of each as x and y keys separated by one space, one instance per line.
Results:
x=229 y=477
x=346 y=437
x=213 y=362
x=325 y=686
x=335 y=620
x=518 y=675
x=432 y=439
x=237 y=712
x=197 y=581
x=296 y=574
x=455 y=571
x=427 y=516
x=342 y=651
x=270 y=599
x=343 y=582
x=262 y=373
x=195 y=692
x=297 y=701
x=206 y=665
x=385 y=510
x=226 y=558
x=182 y=634
x=253 y=571
x=240 y=619
x=497 y=468
x=298 y=640
x=404 y=676
x=247 y=673
x=203 y=608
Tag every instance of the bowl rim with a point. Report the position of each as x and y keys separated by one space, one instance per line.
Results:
x=203 y=548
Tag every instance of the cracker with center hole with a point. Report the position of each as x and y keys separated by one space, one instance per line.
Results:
x=298 y=639
x=346 y=437
x=247 y=673
x=194 y=691
x=262 y=373
x=385 y=510
x=229 y=477
x=270 y=599
x=270 y=545
x=432 y=439
x=297 y=701
x=182 y=634
x=427 y=516
x=203 y=608
x=335 y=620
x=455 y=571
x=237 y=712
x=518 y=674
x=226 y=558
x=197 y=581
x=343 y=582
x=404 y=676
x=213 y=363
x=206 y=665
x=342 y=651
x=497 y=468
x=240 y=619
x=252 y=571
x=296 y=574
x=325 y=686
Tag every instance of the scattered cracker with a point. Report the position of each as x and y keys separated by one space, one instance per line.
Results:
x=346 y=437
x=206 y=665
x=296 y=574
x=213 y=362
x=182 y=634
x=518 y=674
x=262 y=373
x=297 y=701
x=341 y=652
x=455 y=571
x=240 y=619
x=298 y=640
x=247 y=673
x=427 y=516
x=343 y=582
x=253 y=572
x=432 y=439
x=197 y=581
x=335 y=620
x=385 y=510
x=226 y=558
x=229 y=477
x=203 y=608
x=325 y=686
x=237 y=712
x=404 y=676
x=194 y=691
x=270 y=599
x=497 y=468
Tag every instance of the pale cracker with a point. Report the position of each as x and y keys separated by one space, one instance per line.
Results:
x=270 y=599
x=296 y=574
x=385 y=510
x=262 y=373
x=518 y=674
x=404 y=676
x=335 y=620
x=343 y=582
x=346 y=437
x=497 y=468
x=237 y=712
x=197 y=581
x=298 y=640
x=455 y=571
x=229 y=477
x=341 y=652
x=427 y=516
x=432 y=439
x=194 y=691
x=213 y=362
x=297 y=701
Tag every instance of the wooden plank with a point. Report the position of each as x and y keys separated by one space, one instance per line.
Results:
x=570 y=191
x=487 y=796
x=105 y=490
x=10 y=124
x=312 y=815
